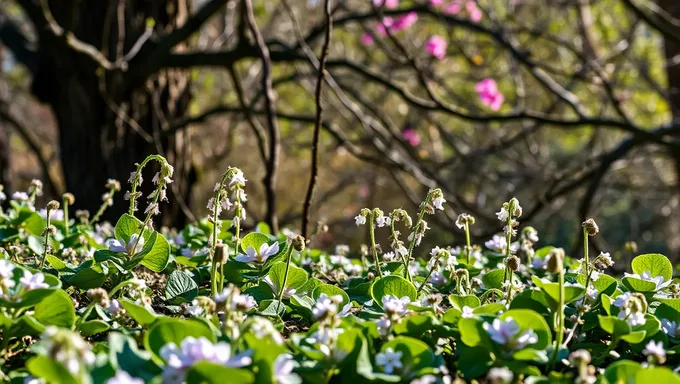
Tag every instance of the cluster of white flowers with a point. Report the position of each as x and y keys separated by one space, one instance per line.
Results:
x=68 y=348
x=29 y=281
x=499 y=243
x=235 y=300
x=630 y=309
x=56 y=214
x=231 y=195
x=509 y=211
x=193 y=350
x=507 y=333
x=161 y=180
x=395 y=309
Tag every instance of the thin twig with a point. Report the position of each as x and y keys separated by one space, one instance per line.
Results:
x=314 y=171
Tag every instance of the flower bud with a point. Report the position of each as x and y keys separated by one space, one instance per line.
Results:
x=83 y=215
x=69 y=198
x=99 y=296
x=591 y=227
x=113 y=184
x=631 y=246
x=52 y=205
x=579 y=357
x=555 y=260
x=513 y=263
x=298 y=243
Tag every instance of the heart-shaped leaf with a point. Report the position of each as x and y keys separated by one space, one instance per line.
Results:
x=391 y=285
x=530 y=320
x=654 y=263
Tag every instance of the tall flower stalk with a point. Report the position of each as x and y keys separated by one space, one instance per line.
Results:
x=464 y=222
x=508 y=212
x=49 y=230
x=397 y=244
x=433 y=201
x=112 y=186
x=161 y=179
x=556 y=265
x=232 y=181
x=67 y=200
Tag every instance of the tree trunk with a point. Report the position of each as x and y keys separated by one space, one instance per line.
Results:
x=104 y=129
x=672 y=50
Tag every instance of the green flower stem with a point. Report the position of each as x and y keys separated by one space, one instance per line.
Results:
x=416 y=226
x=133 y=193
x=434 y=266
x=508 y=252
x=64 y=202
x=46 y=237
x=236 y=247
x=215 y=218
x=87 y=313
x=559 y=328
x=606 y=352
x=404 y=259
x=289 y=254
x=102 y=208
x=374 y=250
x=468 y=247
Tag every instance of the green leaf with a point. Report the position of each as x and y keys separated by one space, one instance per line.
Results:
x=473 y=334
x=621 y=371
x=528 y=319
x=272 y=308
x=414 y=326
x=634 y=337
x=180 y=288
x=297 y=277
x=416 y=354
x=168 y=330
x=473 y=361
x=56 y=263
x=459 y=301
x=159 y=255
x=654 y=263
x=669 y=309
x=57 y=309
x=127 y=226
x=124 y=354
x=87 y=278
x=656 y=375
x=330 y=290
x=604 y=284
x=50 y=370
x=651 y=326
x=211 y=373
x=392 y=285
x=32 y=297
x=489 y=309
x=638 y=285
x=494 y=279
x=254 y=240
x=614 y=326
x=93 y=327
x=141 y=314
x=530 y=354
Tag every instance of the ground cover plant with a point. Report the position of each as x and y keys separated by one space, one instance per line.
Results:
x=85 y=301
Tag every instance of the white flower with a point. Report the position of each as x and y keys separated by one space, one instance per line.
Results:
x=123 y=377
x=20 y=196
x=388 y=256
x=427 y=379
x=6 y=269
x=324 y=335
x=118 y=245
x=191 y=351
x=437 y=278
x=360 y=219
x=647 y=276
x=632 y=318
x=384 y=325
x=342 y=249
x=326 y=305
x=655 y=350
x=503 y=214
x=500 y=375
x=283 y=370
x=671 y=328
x=33 y=281
x=194 y=309
x=242 y=303
x=56 y=214
x=382 y=221
x=339 y=260
x=266 y=251
x=287 y=293
x=622 y=300
x=389 y=360
x=237 y=178
x=506 y=333
x=438 y=202
x=468 y=312
x=434 y=251
x=393 y=305
x=114 y=307
x=538 y=263
x=498 y=244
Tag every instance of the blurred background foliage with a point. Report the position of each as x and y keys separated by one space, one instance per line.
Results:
x=588 y=126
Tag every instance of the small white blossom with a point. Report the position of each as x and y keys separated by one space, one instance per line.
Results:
x=633 y=318
x=394 y=305
x=389 y=360
x=655 y=350
x=266 y=251
x=20 y=196
x=671 y=328
x=118 y=245
x=326 y=305
x=32 y=281
x=468 y=312
x=360 y=219
x=283 y=370
x=647 y=276
x=123 y=377
x=438 y=202
x=500 y=375
x=382 y=221
x=384 y=325
x=507 y=333
x=503 y=214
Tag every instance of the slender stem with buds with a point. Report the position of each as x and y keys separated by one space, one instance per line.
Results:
x=46 y=237
x=416 y=226
x=427 y=278
x=374 y=250
x=559 y=327
x=468 y=247
x=105 y=204
x=395 y=240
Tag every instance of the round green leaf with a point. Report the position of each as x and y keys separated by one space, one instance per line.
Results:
x=330 y=290
x=157 y=258
x=654 y=263
x=254 y=240
x=416 y=354
x=638 y=285
x=127 y=226
x=528 y=319
x=459 y=301
x=656 y=375
x=392 y=285
x=211 y=373
x=621 y=371
x=169 y=330
x=494 y=279
x=142 y=315
x=180 y=288
x=46 y=368
x=57 y=309
x=614 y=326
x=297 y=277
x=93 y=327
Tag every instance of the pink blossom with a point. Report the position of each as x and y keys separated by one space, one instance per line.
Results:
x=436 y=46
x=366 y=39
x=386 y=3
x=489 y=94
x=411 y=136
x=473 y=11
x=381 y=28
x=405 y=22
x=453 y=8
x=436 y=3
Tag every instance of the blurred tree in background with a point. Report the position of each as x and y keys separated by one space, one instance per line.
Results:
x=573 y=106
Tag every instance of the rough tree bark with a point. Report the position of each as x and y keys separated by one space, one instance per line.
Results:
x=106 y=126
